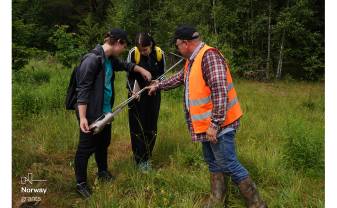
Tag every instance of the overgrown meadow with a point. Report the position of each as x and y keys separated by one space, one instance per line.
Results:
x=280 y=142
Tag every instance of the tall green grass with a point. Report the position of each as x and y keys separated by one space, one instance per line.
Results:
x=280 y=142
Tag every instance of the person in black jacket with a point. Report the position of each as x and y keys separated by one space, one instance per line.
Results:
x=143 y=113
x=95 y=96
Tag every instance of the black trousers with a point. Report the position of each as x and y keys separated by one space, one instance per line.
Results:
x=143 y=117
x=88 y=145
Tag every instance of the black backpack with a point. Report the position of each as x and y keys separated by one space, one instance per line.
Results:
x=71 y=96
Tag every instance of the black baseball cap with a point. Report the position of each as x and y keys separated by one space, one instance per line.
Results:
x=119 y=34
x=185 y=32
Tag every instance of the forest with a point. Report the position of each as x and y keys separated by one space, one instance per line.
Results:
x=264 y=40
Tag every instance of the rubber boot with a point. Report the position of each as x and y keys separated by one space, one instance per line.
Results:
x=218 y=191
x=250 y=194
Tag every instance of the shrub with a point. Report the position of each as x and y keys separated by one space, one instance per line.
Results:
x=39 y=87
x=68 y=45
x=26 y=102
x=304 y=148
x=32 y=75
x=22 y=54
x=41 y=76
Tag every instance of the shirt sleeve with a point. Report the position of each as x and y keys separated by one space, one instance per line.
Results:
x=214 y=73
x=119 y=65
x=172 y=82
x=86 y=75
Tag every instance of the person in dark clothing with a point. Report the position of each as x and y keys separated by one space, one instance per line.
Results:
x=95 y=96
x=144 y=112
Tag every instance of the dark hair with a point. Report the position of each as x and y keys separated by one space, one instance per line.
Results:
x=144 y=39
x=116 y=35
x=111 y=39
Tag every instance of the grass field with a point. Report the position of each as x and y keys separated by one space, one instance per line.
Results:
x=280 y=142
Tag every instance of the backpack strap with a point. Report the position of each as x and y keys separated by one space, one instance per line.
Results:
x=159 y=53
x=137 y=55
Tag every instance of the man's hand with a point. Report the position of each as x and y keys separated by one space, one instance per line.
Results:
x=145 y=74
x=211 y=135
x=153 y=87
x=84 y=125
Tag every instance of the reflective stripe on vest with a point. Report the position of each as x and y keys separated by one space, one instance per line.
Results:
x=229 y=87
x=200 y=102
x=232 y=103
x=202 y=116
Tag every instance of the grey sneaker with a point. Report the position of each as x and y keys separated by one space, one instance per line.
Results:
x=84 y=190
x=145 y=167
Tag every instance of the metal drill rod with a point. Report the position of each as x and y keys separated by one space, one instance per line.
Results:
x=142 y=90
x=167 y=71
x=176 y=55
x=107 y=118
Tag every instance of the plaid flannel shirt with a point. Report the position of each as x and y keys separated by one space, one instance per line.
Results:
x=214 y=74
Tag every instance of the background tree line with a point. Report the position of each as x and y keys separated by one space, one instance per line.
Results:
x=263 y=39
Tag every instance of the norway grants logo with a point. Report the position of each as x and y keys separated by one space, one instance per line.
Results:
x=32 y=189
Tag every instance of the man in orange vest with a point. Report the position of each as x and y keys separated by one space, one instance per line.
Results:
x=212 y=112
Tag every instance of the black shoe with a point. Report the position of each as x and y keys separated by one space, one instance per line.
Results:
x=105 y=176
x=84 y=190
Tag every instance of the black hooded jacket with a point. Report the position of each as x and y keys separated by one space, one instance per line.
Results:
x=90 y=78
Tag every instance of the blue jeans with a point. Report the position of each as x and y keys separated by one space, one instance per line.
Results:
x=221 y=157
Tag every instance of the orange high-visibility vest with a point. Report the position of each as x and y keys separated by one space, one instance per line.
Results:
x=200 y=102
